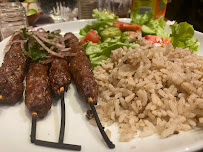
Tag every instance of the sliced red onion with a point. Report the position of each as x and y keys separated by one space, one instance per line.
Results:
x=58 y=45
x=46 y=48
x=66 y=49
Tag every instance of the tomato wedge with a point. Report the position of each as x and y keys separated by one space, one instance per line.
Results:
x=123 y=26
x=157 y=40
x=167 y=41
x=91 y=36
x=118 y=24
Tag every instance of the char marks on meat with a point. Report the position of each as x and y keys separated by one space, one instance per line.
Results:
x=59 y=76
x=80 y=69
x=12 y=73
x=37 y=93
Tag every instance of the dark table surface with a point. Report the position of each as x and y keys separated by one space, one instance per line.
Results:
x=190 y=11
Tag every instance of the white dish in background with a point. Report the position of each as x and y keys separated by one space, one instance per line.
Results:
x=15 y=121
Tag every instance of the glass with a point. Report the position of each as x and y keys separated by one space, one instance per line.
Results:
x=12 y=17
x=86 y=7
x=59 y=10
x=121 y=8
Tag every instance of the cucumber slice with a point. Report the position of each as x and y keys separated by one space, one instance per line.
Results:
x=147 y=31
x=29 y=1
x=110 y=32
x=31 y=12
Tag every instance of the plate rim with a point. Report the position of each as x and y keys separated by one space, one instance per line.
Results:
x=89 y=20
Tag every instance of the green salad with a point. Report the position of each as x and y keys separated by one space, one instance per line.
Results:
x=107 y=34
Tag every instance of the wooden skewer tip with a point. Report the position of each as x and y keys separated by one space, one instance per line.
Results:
x=61 y=89
x=34 y=114
x=90 y=100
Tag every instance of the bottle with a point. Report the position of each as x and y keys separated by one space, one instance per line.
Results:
x=157 y=7
x=86 y=7
x=12 y=17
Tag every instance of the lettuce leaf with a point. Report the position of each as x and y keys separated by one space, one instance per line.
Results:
x=99 y=26
x=104 y=15
x=104 y=19
x=97 y=52
x=139 y=18
x=182 y=36
x=158 y=26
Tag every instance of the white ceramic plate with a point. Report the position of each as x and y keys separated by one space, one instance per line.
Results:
x=15 y=122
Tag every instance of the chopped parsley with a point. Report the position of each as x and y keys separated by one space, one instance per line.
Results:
x=57 y=34
x=24 y=32
x=19 y=68
x=35 y=52
x=33 y=49
x=50 y=37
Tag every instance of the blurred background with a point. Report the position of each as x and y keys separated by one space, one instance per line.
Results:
x=190 y=11
x=42 y=12
x=179 y=10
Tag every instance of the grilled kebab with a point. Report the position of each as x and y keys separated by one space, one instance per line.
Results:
x=12 y=72
x=37 y=94
x=59 y=76
x=83 y=77
x=80 y=69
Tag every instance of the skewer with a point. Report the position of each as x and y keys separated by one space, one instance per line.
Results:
x=101 y=128
x=33 y=129
x=81 y=72
x=63 y=111
x=60 y=143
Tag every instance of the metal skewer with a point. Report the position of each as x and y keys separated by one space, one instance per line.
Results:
x=33 y=129
x=101 y=128
x=60 y=143
x=63 y=116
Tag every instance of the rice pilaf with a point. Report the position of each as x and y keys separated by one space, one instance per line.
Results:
x=152 y=89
